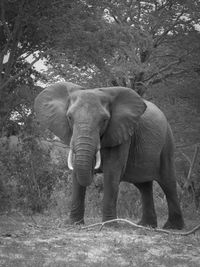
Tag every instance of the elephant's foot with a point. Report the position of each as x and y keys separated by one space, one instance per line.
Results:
x=148 y=222
x=174 y=223
x=73 y=221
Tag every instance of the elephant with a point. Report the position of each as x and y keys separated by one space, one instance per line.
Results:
x=114 y=129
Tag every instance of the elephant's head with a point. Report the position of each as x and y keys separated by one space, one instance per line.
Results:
x=88 y=120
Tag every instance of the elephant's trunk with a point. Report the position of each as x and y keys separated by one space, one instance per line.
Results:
x=85 y=161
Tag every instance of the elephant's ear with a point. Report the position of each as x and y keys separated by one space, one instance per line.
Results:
x=51 y=107
x=126 y=107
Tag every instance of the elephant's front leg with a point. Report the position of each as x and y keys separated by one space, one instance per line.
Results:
x=114 y=162
x=78 y=202
x=111 y=185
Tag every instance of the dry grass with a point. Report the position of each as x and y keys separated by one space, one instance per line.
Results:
x=52 y=246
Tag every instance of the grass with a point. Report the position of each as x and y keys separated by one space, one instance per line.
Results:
x=52 y=246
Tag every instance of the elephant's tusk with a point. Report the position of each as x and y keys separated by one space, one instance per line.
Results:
x=69 y=160
x=98 y=160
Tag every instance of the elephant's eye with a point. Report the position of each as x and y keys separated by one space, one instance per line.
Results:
x=104 y=123
x=70 y=119
x=105 y=120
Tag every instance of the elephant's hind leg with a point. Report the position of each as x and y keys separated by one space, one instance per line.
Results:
x=148 y=210
x=167 y=182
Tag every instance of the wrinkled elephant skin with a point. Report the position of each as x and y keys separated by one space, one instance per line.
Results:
x=128 y=136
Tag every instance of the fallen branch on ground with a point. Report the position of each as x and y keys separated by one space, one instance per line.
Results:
x=102 y=224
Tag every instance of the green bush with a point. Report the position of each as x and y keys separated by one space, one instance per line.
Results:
x=27 y=176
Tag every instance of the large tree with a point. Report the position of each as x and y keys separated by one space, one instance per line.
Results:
x=27 y=34
x=131 y=43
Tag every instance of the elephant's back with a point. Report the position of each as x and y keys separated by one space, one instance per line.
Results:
x=152 y=129
x=154 y=120
x=154 y=115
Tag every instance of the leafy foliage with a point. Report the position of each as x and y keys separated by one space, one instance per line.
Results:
x=130 y=43
x=19 y=38
x=27 y=175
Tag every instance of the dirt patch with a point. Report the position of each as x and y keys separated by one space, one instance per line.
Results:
x=51 y=246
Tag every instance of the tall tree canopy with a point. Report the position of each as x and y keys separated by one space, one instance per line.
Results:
x=27 y=34
x=133 y=43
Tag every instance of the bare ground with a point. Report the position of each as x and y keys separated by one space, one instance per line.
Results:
x=50 y=244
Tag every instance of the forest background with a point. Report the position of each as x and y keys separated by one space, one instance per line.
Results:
x=151 y=46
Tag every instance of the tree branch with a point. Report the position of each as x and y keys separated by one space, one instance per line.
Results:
x=186 y=184
x=26 y=56
x=115 y=18
x=163 y=69
x=158 y=80
x=12 y=78
x=186 y=157
x=186 y=146
x=196 y=228
x=16 y=34
x=9 y=37
x=139 y=11
x=160 y=38
x=7 y=30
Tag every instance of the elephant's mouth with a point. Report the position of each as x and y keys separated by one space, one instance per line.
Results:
x=71 y=156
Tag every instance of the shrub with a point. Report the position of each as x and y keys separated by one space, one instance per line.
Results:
x=27 y=175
